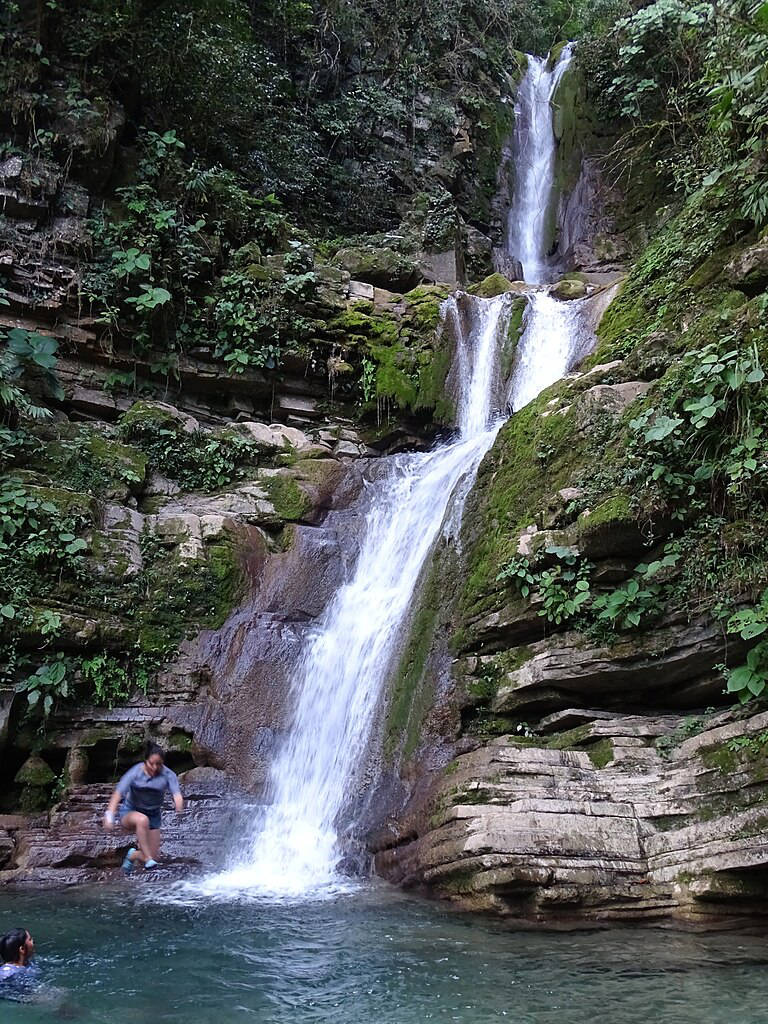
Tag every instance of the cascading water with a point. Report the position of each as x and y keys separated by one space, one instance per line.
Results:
x=556 y=336
x=531 y=221
x=341 y=677
x=346 y=662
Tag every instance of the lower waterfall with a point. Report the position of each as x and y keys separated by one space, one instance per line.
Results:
x=341 y=677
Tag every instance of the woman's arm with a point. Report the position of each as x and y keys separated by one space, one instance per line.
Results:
x=111 y=811
x=172 y=781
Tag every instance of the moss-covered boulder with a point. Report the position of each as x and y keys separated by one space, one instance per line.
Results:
x=609 y=530
x=36 y=779
x=161 y=415
x=568 y=288
x=748 y=271
x=379 y=266
x=493 y=285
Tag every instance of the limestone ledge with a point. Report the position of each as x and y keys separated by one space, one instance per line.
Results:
x=661 y=827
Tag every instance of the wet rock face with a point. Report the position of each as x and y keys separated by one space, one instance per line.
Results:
x=68 y=845
x=639 y=824
x=586 y=776
x=748 y=271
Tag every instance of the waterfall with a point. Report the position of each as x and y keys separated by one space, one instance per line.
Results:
x=531 y=221
x=343 y=670
x=341 y=677
x=556 y=335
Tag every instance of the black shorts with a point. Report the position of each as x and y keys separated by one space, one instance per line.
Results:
x=155 y=816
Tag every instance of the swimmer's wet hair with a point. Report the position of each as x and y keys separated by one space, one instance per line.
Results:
x=11 y=943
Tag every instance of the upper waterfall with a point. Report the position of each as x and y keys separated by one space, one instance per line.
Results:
x=531 y=220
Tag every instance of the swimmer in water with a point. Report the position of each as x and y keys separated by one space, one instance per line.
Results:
x=17 y=949
x=140 y=792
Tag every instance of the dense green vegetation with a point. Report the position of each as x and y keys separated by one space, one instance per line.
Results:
x=688 y=465
x=241 y=157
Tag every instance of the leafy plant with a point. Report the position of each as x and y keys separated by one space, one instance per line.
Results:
x=149 y=298
x=517 y=571
x=197 y=459
x=750 y=679
x=109 y=682
x=638 y=600
x=47 y=685
x=27 y=354
x=565 y=587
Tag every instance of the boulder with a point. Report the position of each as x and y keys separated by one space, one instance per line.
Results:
x=568 y=289
x=495 y=284
x=382 y=267
x=748 y=270
x=602 y=399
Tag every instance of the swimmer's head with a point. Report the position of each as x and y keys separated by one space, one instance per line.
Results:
x=17 y=946
x=154 y=758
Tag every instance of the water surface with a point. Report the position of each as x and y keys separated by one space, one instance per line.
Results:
x=127 y=957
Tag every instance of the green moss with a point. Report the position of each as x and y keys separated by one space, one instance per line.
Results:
x=600 y=753
x=512 y=485
x=144 y=413
x=411 y=693
x=179 y=740
x=431 y=386
x=514 y=658
x=132 y=742
x=35 y=772
x=570 y=739
x=491 y=286
x=497 y=119
x=124 y=461
x=513 y=335
x=180 y=599
x=616 y=509
x=69 y=503
x=290 y=502
x=395 y=377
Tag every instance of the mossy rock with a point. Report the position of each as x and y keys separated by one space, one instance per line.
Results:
x=69 y=503
x=609 y=530
x=159 y=415
x=382 y=267
x=124 y=462
x=569 y=288
x=290 y=502
x=512 y=485
x=493 y=285
x=511 y=340
x=35 y=772
x=247 y=255
x=555 y=54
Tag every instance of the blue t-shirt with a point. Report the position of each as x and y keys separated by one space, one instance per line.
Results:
x=17 y=982
x=145 y=792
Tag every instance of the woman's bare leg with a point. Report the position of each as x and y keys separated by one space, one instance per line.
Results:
x=154 y=839
x=135 y=821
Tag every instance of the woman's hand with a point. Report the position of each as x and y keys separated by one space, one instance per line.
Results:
x=109 y=820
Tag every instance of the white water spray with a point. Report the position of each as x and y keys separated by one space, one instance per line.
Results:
x=555 y=337
x=531 y=223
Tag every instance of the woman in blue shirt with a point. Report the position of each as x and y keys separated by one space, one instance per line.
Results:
x=140 y=792
x=17 y=976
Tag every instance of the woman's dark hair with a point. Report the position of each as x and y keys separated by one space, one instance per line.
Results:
x=152 y=749
x=11 y=943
